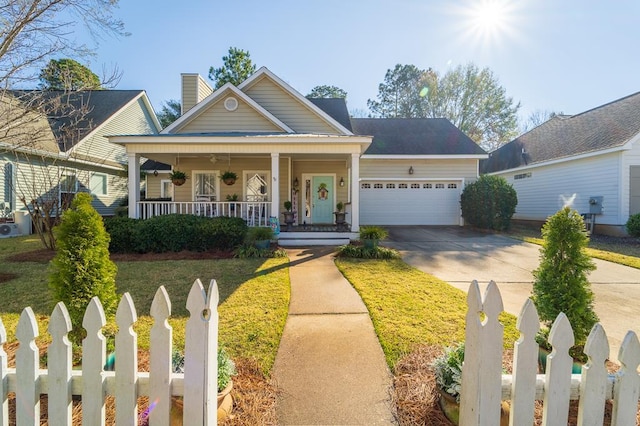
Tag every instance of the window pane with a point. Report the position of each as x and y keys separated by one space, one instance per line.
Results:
x=257 y=189
x=99 y=184
x=68 y=183
x=205 y=184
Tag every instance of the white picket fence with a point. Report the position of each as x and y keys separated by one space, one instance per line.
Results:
x=197 y=386
x=484 y=386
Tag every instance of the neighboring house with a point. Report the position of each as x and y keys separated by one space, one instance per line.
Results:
x=590 y=161
x=56 y=145
x=284 y=146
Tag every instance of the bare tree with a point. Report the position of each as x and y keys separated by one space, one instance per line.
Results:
x=37 y=127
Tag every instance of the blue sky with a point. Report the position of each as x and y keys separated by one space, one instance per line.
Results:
x=558 y=55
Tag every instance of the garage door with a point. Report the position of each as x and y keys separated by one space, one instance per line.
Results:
x=410 y=203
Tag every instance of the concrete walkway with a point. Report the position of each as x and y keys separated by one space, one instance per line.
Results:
x=330 y=368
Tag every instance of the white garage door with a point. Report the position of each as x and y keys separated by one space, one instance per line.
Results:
x=410 y=202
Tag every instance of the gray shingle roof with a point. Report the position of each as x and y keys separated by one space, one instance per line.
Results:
x=605 y=127
x=74 y=115
x=415 y=136
x=336 y=108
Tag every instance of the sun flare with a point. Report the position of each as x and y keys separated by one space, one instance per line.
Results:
x=488 y=21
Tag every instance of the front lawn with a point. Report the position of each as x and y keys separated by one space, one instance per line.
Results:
x=621 y=250
x=254 y=296
x=410 y=308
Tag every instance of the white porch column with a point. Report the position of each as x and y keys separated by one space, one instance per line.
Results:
x=134 y=184
x=275 y=188
x=355 y=192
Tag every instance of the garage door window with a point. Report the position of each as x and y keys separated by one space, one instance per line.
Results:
x=453 y=186
x=415 y=186
x=391 y=186
x=439 y=185
x=377 y=186
x=366 y=186
x=427 y=186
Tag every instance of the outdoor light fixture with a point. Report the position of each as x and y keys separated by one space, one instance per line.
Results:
x=341 y=181
x=155 y=173
x=411 y=170
x=296 y=184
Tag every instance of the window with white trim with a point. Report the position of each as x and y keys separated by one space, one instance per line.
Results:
x=68 y=188
x=98 y=184
x=257 y=185
x=205 y=186
x=166 y=188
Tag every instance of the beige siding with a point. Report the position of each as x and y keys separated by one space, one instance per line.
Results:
x=338 y=168
x=422 y=168
x=288 y=109
x=133 y=120
x=218 y=119
x=194 y=89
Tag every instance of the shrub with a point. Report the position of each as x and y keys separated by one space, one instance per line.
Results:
x=362 y=252
x=373 y=233
x=175 y=233
x=448 y=370
x=124 y=233
x=226 y=366
x=489 y=203
x=633 y=225
x=259 y=233
x=560 y=282
x=248 y=251
x=81 y=268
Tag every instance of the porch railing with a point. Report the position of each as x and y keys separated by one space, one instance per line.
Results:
x=254 y=213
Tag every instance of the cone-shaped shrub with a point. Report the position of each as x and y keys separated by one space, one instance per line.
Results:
x=561 y=283
x=81 y=268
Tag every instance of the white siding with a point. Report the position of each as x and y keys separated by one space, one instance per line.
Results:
x=572 y=182
x=132 y=120
x=629 y=158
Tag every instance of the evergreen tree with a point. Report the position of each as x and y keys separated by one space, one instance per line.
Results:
x=561 y=283
x=81 y=268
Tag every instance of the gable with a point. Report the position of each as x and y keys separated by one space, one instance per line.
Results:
x=216 y=118
x=287 y=108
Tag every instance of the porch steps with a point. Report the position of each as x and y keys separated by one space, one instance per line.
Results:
x=292 y=239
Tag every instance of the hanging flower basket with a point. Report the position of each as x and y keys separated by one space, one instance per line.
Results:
x=229 y=177
x=178 y=177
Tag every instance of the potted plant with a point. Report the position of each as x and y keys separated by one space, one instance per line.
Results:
x=288 y=214
x=232 y=198
x=226 y=370
x=341 y=216
x=260 y=236
x=229 y=177
x=448 y=371
x=178 y=177
x=371 y=236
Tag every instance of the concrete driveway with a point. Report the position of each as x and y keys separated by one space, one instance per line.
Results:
x=458 y=255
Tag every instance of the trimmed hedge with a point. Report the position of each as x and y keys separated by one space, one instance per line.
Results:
x=489 y=203
x=175 y=233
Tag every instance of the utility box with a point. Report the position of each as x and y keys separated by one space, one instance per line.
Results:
x=595 y=204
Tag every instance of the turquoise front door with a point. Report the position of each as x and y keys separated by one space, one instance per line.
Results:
x=322 y=197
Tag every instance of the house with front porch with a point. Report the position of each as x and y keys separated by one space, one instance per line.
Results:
x=285 y=147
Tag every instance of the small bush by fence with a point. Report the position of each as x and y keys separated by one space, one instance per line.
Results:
x=175 y=232
x=484 y=386
x=197 y=386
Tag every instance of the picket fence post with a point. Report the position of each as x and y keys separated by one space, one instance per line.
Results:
x=482 y=373
x=525 y=362
x=201 y=357
x=93 y=360
x=160 y=360
x=126 y=363
x=625 y=394
x=59 y=364
x=593 y=383
x=4 y=391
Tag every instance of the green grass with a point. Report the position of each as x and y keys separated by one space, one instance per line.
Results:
x=254 y=297
x=624 y=251
x=409 y=307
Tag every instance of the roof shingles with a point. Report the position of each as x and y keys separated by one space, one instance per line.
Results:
x=605 y=127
